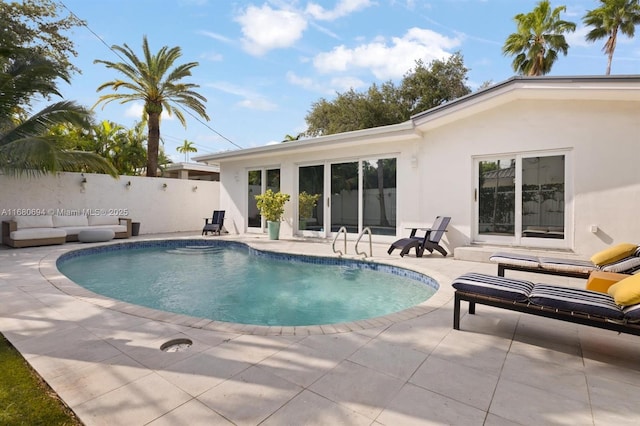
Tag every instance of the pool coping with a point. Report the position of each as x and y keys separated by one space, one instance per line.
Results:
x=48 y=269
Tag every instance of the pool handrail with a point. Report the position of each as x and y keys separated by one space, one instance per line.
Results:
x=364 y=253
x=342 y=230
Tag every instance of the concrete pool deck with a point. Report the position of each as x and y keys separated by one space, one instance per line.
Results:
x=103 y=358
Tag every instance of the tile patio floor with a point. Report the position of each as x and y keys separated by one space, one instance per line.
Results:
x=502 y=368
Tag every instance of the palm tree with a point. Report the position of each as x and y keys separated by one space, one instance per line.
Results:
x=611 y=17
x=26 y=143
x=159 y=87
x=538 y=40
x=186 y=148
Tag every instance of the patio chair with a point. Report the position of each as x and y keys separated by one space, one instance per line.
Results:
x=430 y=241
x=217 y=220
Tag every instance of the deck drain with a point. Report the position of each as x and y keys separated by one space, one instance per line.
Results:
x=176 y=345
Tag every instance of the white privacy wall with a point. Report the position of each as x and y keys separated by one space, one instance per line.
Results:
x=180 y=206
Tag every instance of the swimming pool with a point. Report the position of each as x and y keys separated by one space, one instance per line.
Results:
x=232 y=282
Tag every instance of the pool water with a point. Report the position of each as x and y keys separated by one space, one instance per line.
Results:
x=234 y=283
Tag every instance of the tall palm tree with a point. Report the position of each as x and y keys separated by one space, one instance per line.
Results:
x=26 y=143
x=538 y=39
x=611 y=17
x=186 y=148
x=152 y=81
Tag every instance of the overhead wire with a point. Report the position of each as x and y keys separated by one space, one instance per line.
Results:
x=124 y=60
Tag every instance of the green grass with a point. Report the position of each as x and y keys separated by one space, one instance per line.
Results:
x=25 y=399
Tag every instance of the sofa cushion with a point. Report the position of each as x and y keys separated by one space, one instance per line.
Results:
x=575 y=300
x=73 y=230
x=104 y=220
x=41 y=221
x=70 y=221
x=37 y=233
x=626 y=292
x=489 y=285
x=613 y=254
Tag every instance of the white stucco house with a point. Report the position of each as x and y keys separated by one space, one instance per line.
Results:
x=536 y=162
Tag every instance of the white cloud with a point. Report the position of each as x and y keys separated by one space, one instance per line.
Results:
x=343 y=8
x=388 y=59
x=337 y=84
x=265 y=29
x=135 y=111
x=577 y=38
x=216 y=36
x=258 y=103
x=212 y=56
x=251 y=100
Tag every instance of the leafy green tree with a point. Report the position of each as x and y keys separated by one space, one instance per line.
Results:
x=427 y=87
x=39 y=25
x=153 y=81
x=538 y=40
x=26 y=145
x=611 y=18
x=186 y=148
x=422 y=88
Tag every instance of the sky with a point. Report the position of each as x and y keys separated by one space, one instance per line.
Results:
x=263 y=64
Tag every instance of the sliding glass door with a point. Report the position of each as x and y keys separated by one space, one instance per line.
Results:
x=520 y=200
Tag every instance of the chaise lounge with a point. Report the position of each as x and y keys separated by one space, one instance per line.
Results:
x=617 y=310
x=430 y=241
x=621 y=258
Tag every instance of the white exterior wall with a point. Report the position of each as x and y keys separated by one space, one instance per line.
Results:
x=178 y=207
x=603 y=139
x=234 y=186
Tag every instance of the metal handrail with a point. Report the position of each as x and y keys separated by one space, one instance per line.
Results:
x=333 y=246
x=368 y=230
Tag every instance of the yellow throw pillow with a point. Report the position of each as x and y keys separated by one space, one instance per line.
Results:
x=613 y=254
x=626 y=292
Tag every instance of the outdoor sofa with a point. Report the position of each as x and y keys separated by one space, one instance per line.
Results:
x=41 y=230
x=618 y=309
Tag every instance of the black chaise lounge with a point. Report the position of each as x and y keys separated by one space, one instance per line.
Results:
x=430 y=241
x=622 y=258
x=215 y=226
x=569 y=304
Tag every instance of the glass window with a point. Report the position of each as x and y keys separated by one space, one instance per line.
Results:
x=344 y=196
x=255 y=188
x=310 y=198
x=496 y=197
x=543 y=197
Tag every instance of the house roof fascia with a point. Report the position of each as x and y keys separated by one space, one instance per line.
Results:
x=619 y=87
x=396 y=132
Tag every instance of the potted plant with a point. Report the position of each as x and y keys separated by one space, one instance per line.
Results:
x=306 y=203
x=271 y=206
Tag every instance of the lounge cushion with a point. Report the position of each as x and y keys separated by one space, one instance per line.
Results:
x=626 y=292
x=632 y=313
x=627 y=265
x=575 y=300
x=41 y=221
x=70 y=221
x=613 y=254
x=489 y=285
x=567 y=265
x=517 y=259
x=104 y=220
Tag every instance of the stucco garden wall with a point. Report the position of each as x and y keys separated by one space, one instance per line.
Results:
x=180 y=206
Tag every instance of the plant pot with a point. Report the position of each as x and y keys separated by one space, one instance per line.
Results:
x=274 y=230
